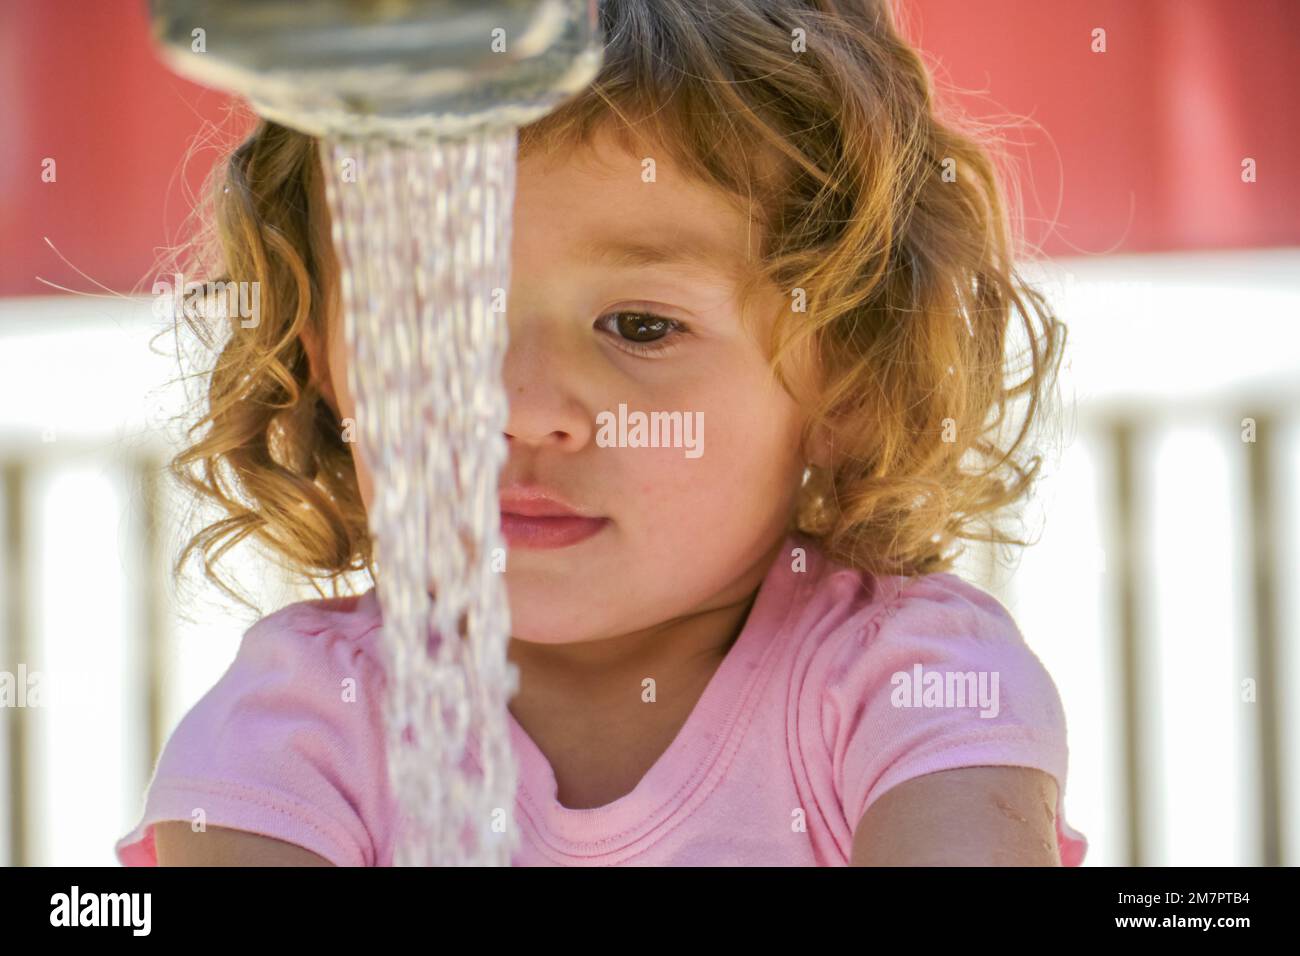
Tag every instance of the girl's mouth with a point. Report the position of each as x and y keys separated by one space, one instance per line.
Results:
x=523 y=531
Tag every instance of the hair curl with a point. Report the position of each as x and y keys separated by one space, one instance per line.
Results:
x=886 y=225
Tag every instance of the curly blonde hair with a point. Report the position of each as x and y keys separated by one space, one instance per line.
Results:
x=885 y=225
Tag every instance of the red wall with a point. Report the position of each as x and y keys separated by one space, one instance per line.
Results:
x=1137 y=149
x=79 y=84
x=1140 y=148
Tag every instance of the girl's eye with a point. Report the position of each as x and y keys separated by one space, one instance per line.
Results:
x=632 y=328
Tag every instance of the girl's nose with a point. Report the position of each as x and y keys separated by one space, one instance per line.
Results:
x=545 y=407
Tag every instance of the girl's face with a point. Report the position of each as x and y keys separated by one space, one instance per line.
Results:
x=688 y=529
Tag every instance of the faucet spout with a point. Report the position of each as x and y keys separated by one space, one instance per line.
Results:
x=388 y=69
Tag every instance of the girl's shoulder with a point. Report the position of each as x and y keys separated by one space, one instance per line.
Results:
x=351 y=617
x=853 y=606
x=911 y=676
x=867 y=636
x=337 y=634
x=288 y=743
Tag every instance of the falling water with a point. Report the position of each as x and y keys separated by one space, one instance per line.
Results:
x=423 y=233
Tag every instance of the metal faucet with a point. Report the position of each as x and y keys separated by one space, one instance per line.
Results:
x=390 y=69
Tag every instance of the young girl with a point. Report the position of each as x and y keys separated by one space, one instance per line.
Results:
x=821 y=273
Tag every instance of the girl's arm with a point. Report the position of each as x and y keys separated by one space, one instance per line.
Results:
x=178 y=845
x=970 y=816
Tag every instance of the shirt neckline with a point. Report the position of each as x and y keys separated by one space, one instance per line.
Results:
x=681 y=772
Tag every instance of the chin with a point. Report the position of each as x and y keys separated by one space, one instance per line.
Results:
x=539 y=632
x=551 y=615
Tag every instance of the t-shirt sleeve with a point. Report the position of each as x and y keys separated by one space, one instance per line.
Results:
x=940 y=677
x=283 y=745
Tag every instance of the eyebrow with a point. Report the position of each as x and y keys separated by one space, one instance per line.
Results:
x=689 y=251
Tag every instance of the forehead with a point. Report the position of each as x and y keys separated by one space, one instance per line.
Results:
x=606 y=204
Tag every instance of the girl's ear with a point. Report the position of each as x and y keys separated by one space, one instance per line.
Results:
x=318 y=362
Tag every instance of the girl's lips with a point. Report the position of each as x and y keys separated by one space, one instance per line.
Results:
x=521 y=531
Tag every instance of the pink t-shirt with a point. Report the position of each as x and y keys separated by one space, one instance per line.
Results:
x=799 y=731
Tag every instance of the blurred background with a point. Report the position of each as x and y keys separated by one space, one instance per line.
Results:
x=1157 y=173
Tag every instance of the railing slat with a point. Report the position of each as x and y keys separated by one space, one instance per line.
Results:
x=17 y=592
x=1126 y=555
x=1265 y=554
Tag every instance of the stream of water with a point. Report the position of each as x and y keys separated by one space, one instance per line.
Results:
x=422 y=229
